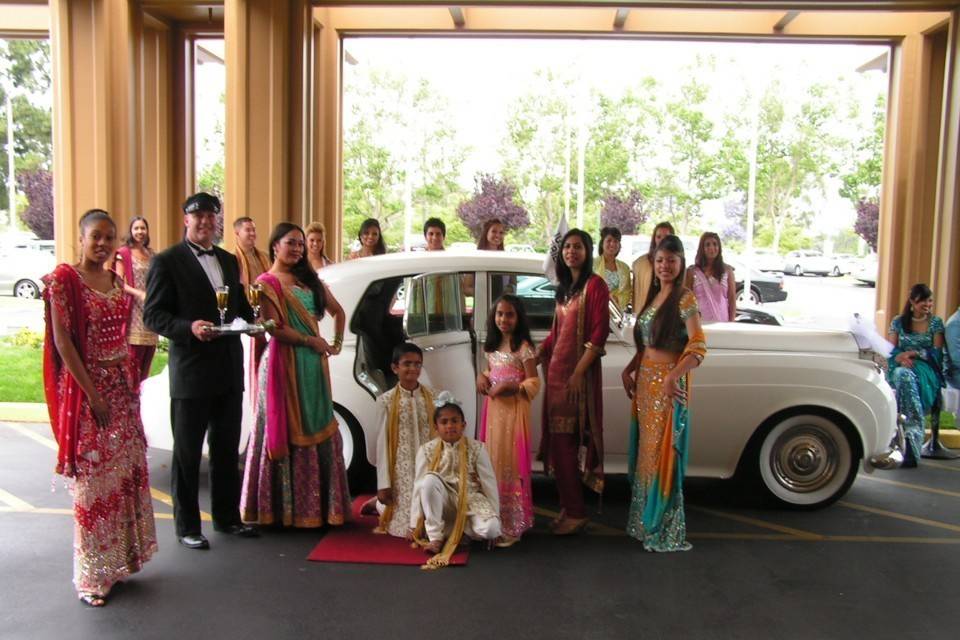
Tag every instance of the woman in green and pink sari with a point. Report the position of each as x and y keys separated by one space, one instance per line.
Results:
x=294 y=474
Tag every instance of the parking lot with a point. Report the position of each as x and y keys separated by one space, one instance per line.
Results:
x=881 y=563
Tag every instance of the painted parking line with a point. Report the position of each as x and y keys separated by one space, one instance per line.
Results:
x=763 y=524
x=14 y=502
x=67 y=512
x=909 y=485
x=901 y=516
x=940 y=465
x=158 y=495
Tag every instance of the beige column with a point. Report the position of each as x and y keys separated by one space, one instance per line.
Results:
x=946 y=249
x=908 y=200
x=327 y=152
x=94 y=48
x=268 y=116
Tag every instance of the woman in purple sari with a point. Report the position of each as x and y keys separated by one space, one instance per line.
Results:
x=295 y=474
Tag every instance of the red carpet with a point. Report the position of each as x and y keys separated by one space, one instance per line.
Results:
x=356 y=542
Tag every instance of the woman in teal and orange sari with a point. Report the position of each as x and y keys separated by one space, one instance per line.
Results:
x=295 y=474
x=915 y=365
x=670 y=344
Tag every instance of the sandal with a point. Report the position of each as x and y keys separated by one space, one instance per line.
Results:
x=560 y=517
x=93 y=600
x=570 y=526
x=505 y=541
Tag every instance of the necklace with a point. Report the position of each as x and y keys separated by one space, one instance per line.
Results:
x=923 y=317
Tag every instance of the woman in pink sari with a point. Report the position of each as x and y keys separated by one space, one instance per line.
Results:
x=712 y=281
x=295 y=475
x=572 y=441
x=91 y=386
x=132 y=263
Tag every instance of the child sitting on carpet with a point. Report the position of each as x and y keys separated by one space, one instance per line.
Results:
x=455 y=491
x=406 y=422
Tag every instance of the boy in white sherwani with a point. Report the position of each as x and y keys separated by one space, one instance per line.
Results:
x=455 y=490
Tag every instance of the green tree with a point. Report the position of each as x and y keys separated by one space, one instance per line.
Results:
x=399 y=144
x=693 y=172
x=793 y=157
x=866 y=159
x=540 y=141
x=26 y=67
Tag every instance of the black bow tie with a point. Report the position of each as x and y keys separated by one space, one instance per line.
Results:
x=204 y=252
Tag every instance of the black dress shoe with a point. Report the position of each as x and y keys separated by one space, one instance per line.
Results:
x=240 y=530
x=194 y=541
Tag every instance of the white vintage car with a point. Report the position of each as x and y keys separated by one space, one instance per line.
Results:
x=797 y=410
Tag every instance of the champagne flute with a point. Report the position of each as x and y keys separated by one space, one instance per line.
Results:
x=223 y=297
x=253 y=294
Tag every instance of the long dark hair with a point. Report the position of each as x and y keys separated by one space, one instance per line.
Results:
x=521 y=332
x=129 y=239
x=653 y=239
x=718 y=266
x=302 y=271
x=567 y=288
x=918 y=293
x=380 y=248
x=666 y=321
x=482 y=243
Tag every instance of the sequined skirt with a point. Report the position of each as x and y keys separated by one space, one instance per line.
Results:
x=307 y=488
x=114 y=532
x=653 y=416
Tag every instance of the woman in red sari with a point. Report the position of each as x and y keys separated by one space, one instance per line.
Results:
x=572 y=442
x=131 y=264
x=91 y=386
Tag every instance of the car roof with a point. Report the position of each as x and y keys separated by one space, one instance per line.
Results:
x=405 y=263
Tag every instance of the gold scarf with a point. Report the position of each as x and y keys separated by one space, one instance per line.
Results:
x=393 y=439
x=442 y=559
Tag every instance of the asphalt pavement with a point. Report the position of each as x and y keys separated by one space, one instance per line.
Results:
x=881 y=563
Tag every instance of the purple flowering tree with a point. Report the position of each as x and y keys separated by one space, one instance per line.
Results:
x=492 y=198
x=868 y=221
x=625 y=214
x=37 y=185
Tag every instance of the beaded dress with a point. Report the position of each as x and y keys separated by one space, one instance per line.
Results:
x=114 y=533
x=659 y=441
x=505 y=430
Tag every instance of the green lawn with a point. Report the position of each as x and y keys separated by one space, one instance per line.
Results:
x=21 y=373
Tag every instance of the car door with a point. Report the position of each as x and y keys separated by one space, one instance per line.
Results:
x=434 y=320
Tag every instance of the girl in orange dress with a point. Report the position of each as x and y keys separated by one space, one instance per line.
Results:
x=509 y=384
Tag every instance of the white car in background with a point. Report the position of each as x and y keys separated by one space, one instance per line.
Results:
x=22 y=264
x=795 y=410
x=764 y=260
x=804 y=261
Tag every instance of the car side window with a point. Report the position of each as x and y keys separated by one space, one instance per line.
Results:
x=535 y=291
x=433 y=304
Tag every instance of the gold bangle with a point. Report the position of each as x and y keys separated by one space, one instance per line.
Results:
x=304 y=340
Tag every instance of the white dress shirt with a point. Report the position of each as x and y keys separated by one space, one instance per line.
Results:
x=210 y=266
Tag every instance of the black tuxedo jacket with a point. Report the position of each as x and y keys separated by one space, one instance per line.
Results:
x=179 y=292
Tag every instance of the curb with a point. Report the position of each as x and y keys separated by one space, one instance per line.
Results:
x=24 y=412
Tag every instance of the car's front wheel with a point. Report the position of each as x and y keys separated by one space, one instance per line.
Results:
x=359 y=471
x=754 y=298
x=836 y=272
x=797 y=270
x=805 y=460
x=26 y=289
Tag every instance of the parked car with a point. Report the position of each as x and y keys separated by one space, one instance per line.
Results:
x=848 y=263
x=765 y=260
x=867 y=273
x=795 y=410
x=806 y=261
x=22 y=266
x=764 y=287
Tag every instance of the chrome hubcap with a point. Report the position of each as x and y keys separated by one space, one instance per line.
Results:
x=804 y=459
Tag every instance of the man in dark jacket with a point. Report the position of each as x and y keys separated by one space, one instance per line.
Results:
x=206 y=370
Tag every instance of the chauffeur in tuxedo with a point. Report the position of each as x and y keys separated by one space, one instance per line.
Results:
x=206 y=371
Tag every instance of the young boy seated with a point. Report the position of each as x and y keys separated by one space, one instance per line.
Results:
x=406 y=422
x=455 y=491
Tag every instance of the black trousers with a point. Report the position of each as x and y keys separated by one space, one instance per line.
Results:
x=218 y=417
